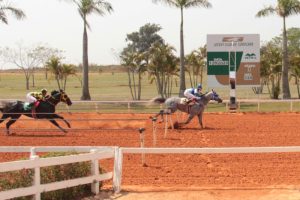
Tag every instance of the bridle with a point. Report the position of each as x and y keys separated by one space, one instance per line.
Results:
x=55 y=101
x=214 y=96
x=63 y=97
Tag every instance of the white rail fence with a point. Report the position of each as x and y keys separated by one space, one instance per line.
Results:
x=130 y=104
x=258 y=102
x=97 y=153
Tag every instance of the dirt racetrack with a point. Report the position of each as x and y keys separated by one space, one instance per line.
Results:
x=166 y=172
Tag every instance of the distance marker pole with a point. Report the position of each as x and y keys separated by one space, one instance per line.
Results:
x=232 y=80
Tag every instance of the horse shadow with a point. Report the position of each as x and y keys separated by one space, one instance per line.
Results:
x=14 y=134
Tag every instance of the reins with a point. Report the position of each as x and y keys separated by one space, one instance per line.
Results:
x=55 y=100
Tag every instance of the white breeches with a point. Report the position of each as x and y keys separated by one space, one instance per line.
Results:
x=188 y=95
x=30 y=99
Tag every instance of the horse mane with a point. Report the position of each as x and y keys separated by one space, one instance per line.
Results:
x=54 y=92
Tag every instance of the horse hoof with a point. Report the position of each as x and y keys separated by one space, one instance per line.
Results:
x=176 y=125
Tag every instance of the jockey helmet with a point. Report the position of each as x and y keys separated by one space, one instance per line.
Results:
x=44 y=90
x=199 y=86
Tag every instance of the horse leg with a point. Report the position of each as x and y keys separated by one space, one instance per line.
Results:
x=161 y=113
x=191 y=116
x=200 y=119
x=62 y=118
x=13 y=119
x=3 y=118
x=57 y=125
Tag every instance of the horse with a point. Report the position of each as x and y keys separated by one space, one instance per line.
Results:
x=45 y=110
x=176 y=103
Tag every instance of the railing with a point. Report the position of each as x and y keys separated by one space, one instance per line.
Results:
x=142 y=151
x=130 y=106
x=96 y=153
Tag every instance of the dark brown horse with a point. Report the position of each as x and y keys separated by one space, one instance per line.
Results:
x=45 y=110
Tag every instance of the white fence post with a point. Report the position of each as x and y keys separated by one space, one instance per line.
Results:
x=154 y=130
x=117 y=177
x=95 y=171
x=96 y=105
x=128 y=107
x=37 y=175
x=166 y=126
x=142 y=140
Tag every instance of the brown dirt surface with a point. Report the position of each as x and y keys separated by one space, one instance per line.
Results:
x=189 y=176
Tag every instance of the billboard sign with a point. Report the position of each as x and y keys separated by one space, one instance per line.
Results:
x=233 y=52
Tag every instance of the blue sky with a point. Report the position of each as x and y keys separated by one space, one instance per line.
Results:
x=58 y=24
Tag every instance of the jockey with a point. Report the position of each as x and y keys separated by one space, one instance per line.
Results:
x=36 y=96
x=33 y=97
x=193 y=93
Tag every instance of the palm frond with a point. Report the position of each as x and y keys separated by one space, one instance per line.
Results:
x=19 y=14
x=3 y=17
x=171 y=3
x=100 y=6
x=294 y=8
x=197 y=3
x=266 y=11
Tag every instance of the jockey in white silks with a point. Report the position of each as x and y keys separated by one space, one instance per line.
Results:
x=193 y=93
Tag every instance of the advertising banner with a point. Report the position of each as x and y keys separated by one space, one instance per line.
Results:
x=233 y=52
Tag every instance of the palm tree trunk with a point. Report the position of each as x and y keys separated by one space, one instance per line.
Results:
x=285 y=67
x=129 y=83
x=27 y=82
x=182 y=73
x=85 y=66
x=190 y=76
x=298 y=89
x=134 y=84
x=33 y=79
x=140 y=86
x=65 y=83
x=58 y=83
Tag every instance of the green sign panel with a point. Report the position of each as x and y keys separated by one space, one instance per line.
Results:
x=218 y=62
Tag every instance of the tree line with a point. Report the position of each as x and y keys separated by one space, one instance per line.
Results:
x=158 y=58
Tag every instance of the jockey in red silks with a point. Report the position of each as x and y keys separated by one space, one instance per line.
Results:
x=34 y=99
x=193 y=94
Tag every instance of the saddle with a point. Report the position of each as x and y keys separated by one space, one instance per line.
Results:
x=186 y=101
x=31 y=107
x=27 y=106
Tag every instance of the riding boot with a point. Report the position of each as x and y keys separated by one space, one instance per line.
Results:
x=33 y=112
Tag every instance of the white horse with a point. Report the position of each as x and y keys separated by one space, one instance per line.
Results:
x=176 y=103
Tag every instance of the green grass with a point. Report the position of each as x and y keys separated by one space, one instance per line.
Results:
x=114 y=87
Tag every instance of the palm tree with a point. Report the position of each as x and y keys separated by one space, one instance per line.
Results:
x=67 y=70
x=54 y=66
x=162 y=64
x=85 y=8
x=4 y=7
x=181 y=4
x=284 y=9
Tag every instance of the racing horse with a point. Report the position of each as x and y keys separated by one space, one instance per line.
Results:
x=176 y=103
x=45 y=110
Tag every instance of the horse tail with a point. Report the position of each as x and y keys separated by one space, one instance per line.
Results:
x=1 y=107
x=157 y=100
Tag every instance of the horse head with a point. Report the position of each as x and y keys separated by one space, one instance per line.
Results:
x=61 y=96
x=214 y=96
